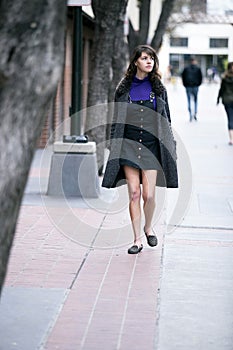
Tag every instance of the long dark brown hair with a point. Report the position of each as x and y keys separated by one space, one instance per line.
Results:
x=132 y=69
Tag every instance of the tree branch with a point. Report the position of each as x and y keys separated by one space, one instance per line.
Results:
x=162 y=24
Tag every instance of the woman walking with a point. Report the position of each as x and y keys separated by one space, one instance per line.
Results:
x=226 y=94
x=143 y=150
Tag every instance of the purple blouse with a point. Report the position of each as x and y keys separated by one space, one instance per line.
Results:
x=141 y=90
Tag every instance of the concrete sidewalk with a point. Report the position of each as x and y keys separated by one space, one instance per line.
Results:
x=196 y=297
x=72 y=285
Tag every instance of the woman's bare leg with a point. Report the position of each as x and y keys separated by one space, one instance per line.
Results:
x=148 y=194
x=133 y=181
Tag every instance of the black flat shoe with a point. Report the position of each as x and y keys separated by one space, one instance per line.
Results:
x=151 y=239
x=135 y=249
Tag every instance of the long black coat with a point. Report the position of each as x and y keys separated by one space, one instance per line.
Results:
x=114 y=174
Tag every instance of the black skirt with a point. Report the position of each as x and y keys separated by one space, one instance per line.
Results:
x=140 y=146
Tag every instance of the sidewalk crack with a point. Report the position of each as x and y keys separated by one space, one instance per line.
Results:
x=87 y=254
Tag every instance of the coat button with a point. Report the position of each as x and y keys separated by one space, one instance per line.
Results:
x=140 y=148
x=141 y=109
x=140 y=140
x=139 y=157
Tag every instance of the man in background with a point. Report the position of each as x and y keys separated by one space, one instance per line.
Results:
x=192 y=79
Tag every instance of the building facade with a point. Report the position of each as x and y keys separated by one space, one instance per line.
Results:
x=209 y=38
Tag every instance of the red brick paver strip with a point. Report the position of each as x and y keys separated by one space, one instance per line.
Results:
x=111 y=298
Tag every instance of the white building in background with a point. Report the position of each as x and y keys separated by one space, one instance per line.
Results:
x=207 y=35
x=209 y=39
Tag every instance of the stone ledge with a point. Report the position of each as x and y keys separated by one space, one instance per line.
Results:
x=66 y=147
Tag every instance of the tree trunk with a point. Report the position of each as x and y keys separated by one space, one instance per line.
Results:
x=107 y=14
x=141 y=36
x=133 y=38
x=32 y=42
x=119 y=63
x=167 y=9
x=144 y=20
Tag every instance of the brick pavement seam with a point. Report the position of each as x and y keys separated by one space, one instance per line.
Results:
x=126 y=306
x=52 y=323
x=80 y=268
x=95 y=302
x=87 y=253
x=207 y=227
x=156 y=342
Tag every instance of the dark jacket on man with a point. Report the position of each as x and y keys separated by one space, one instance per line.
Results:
x=192 y=76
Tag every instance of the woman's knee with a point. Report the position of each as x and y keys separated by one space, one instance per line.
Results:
x=148 y=198
x=135 y=194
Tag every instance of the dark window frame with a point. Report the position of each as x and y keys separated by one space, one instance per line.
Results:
x=218 y=43
x=179 y=41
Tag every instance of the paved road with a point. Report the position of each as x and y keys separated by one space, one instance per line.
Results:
x=72 y=285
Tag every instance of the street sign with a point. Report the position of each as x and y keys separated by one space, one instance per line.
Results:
x=78 y=2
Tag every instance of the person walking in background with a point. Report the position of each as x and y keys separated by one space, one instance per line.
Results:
x=226 y=95
x=192 y=79
x=143 y=149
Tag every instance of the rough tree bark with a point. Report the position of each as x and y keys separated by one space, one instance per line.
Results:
x=142 y=36
x=144 y=19
x=166 y=12
x=32 y=42
x=108 y=16
x=119 y=64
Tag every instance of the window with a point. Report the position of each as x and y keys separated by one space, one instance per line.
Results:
x=181 y=42
x=218 y=42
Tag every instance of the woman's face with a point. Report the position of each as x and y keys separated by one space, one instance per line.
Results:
x=145 y=63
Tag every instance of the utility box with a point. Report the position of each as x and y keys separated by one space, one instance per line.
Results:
x=74 y=171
